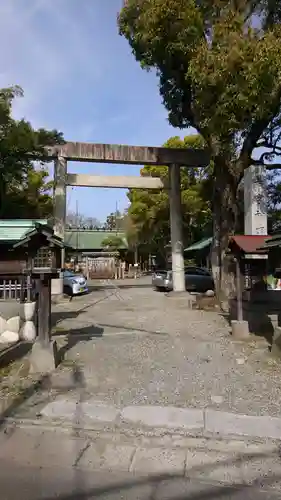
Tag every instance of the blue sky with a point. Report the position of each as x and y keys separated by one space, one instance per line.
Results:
x=80 y=77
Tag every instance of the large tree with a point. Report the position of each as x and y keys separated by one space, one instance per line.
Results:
x=114 y=221
x=149 y=211
x=24 y=187
x=219 y=69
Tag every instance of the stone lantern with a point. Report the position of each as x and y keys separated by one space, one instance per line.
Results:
x=43 y=261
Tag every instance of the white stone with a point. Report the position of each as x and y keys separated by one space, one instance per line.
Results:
x=28 y=331
x=240 y=361
x=13 y=324
x=8 y=337
x=210 y=293
x=28 y=310
x=217 y=399
x=3 y=325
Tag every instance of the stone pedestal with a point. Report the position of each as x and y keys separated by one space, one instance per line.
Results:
x=183 y=298
x=43 y=358
x=57 y=288
x=240 y=330
x=276 y=342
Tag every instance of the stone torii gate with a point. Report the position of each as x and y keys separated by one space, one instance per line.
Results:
x=132 y=155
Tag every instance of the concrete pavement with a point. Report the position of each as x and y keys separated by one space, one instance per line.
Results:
x=67 y=459
x=49 y=483
x=147 y=389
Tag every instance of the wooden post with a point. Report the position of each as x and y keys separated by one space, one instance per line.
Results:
x=238 y=292
x=22 y=285
x=44 y=312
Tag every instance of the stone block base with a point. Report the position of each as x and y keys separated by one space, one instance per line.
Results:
x=57 y=286
x=43 y=359
x=276 y=343
x=182 y=297
x=240 y=330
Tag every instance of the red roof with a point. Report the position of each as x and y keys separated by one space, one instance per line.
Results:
x=249 y=243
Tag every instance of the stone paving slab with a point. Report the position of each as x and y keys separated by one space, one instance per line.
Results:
x=157 y=416
x=188 y=420
x=73 y=410
x=256 y=465
x=101 y=455
x=34 y=483
x=242 y=425
x=35 y=446
x=211 y=465
x=157 y=460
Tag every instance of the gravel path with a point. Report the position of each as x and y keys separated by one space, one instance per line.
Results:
x=145 y=348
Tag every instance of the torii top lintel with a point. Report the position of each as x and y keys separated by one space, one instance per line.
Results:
x=138 y=155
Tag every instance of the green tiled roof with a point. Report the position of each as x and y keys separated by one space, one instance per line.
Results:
x=90 y=239
x=199 y=245
x=14 y=230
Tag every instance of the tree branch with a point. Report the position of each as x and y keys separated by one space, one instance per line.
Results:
x=256 y=131
x=269 y=166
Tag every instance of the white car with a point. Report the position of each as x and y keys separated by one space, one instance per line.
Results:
x=74 y=284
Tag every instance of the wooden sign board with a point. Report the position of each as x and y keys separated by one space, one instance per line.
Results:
x=12 y=267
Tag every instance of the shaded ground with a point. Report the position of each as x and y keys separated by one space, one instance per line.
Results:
x=137 y=346
x=51 y=463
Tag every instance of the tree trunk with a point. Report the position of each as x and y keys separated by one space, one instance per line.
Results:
x=225 y=215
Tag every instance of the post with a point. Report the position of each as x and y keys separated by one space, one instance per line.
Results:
x=44 y=356
x=60 y=172
x=176 y=229
x=44 y=312
x=238 y=292
x=239 y=327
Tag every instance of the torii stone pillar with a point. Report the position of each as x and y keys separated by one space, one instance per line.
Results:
x=60 y=172
x=255 y=200
x=176 y=228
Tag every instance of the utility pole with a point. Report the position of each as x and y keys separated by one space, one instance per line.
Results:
x=77 y=234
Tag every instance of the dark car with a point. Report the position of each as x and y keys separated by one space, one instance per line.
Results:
x=197 y=279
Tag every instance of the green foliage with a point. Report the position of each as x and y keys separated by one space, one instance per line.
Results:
x=218 y=73
x=236 y=96
x=113 y=242
x=149 y=211
x=30 y=199
x=219 y=69
x=24 y=190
